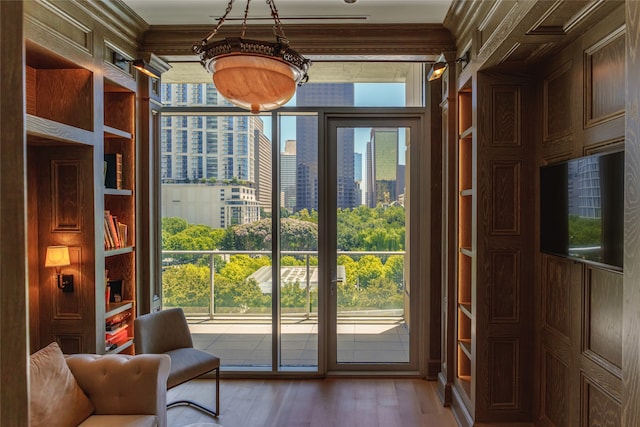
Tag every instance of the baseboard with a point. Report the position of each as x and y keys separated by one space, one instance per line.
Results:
x=444 y=389
x=460 y=410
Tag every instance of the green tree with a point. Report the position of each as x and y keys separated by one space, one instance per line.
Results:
x=195 y=238
x=369 y=267
x=394 y=269
x=173 y=225
x=185 y=286
x=241 y=266
x=294 y=235
x=305 y=215
x=244 y=296
x=381 y=293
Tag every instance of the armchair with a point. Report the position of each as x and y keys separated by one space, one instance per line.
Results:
x=91 y=390
x=167 y=332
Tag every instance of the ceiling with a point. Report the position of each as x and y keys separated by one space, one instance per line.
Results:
x=181 y=12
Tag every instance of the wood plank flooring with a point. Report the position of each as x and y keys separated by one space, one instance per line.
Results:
x=334 y=402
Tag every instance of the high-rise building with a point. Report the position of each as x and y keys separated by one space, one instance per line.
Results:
x=357 y=176
x=263 y=168
x=288 y=175
x=382 y=167
x=329 y=95
x=199 y=148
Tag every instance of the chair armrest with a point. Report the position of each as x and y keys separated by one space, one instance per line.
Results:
x=122 y=384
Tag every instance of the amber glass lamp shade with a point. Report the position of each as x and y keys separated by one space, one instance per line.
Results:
x=253 y=82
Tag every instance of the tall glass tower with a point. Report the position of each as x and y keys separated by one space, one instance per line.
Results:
x=325 y=95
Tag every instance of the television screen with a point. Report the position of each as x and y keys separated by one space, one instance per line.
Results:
x=582 y=209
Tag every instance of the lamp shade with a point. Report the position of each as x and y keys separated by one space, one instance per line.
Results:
x=436 y=71
x=57 y=256
x=253 y=82
x=256 y=75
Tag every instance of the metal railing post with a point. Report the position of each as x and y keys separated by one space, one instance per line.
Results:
x=212 y=271
x=308 y=280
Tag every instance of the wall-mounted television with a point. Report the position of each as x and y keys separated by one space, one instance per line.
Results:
x=582 y=209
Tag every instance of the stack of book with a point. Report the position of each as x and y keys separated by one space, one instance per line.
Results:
x=117 y=336
x=115 y=232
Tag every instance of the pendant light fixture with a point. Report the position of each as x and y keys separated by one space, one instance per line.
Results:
x=253 y=74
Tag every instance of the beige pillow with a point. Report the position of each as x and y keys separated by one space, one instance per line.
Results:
x=55 y=398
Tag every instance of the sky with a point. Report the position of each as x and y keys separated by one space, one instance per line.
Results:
x=366 y=95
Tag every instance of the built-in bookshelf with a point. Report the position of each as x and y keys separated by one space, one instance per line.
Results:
x=70 y=200
x=61 y=144
x=466 y=249
x=119 y=217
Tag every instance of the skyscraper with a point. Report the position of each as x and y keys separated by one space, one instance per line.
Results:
x=288 y=175
x=329 y=95
x=382 y=167
x=213 y=148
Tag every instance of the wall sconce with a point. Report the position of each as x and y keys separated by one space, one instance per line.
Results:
x=144 y=67
x=58 y=256
x=437 y=69
x=139 y=64
x=464 y=59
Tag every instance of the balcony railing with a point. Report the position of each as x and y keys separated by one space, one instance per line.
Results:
x=208 y=284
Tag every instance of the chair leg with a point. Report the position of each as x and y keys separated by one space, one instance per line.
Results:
x=217 y=391
x=198 y=406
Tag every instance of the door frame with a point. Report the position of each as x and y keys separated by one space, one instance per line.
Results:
x=413 y=118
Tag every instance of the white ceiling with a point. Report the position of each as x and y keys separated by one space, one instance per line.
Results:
x=177 y=12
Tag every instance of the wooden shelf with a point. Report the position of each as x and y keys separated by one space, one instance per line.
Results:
x=466 y=309
x=111 y=132
x=118 y=251
x=465 y=346
x=467 y=251
x=467 y=133
x=114 y=308
x=117 y=192
x=46 y=129
x=119 y=349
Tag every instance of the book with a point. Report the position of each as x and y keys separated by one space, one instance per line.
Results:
x=116 y=290
x=123 y=234
x=112 y=231
x=113 y=174
x=108 y=239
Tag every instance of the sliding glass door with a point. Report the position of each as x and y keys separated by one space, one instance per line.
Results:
x=367 y=209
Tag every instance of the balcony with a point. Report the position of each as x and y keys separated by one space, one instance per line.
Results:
x=227 y=297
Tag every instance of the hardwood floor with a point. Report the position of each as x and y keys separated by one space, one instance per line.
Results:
x=331 y=402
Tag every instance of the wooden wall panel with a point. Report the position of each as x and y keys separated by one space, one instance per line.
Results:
x=64 y=191
x=67 y=198
x=503 y=359
x=557 y=104
x=604 y=79
x=505 y=205
x=505 y=267
x=581 y=305
x=14 y=336
x=555 y=390
x=503 y=280
x=65 y=96
x=603 y=316
x=556 y=301
x=598 y=408
x=506 y=116
x=59 y=24
x=631 y=321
